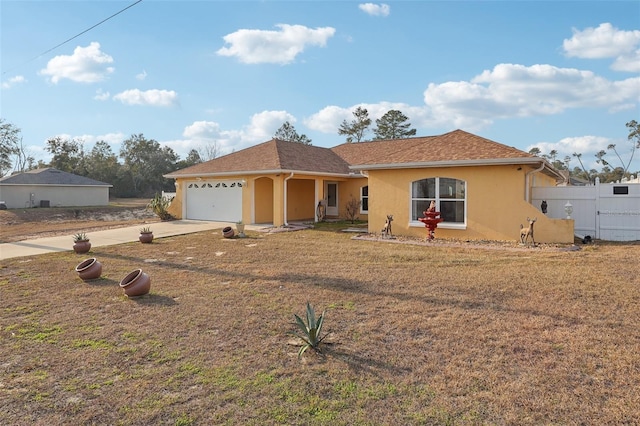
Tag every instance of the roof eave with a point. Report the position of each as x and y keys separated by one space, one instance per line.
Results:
x=450 y=163
x=255 y=173
x=54 y=184
x=548 y=168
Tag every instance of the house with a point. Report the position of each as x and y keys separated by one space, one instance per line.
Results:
x=49 y=187
x=482 y=188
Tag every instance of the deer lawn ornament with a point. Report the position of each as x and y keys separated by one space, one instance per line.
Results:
x=386 y=230
x=525 y=233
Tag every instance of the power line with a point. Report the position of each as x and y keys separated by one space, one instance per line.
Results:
x=74 y=37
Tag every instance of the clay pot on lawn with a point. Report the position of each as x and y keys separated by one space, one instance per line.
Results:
x=136 y=283
x=228 y=232
x=146 y=237
x=89 y=269
x=81 y=247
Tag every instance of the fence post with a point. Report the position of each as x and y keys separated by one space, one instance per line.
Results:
x=597 y=208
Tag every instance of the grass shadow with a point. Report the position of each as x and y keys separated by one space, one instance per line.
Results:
x=154 y=299
x=102 y=282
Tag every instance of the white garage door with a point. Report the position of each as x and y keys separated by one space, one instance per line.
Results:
x=214 y=200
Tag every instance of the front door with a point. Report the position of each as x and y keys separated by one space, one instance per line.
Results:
x=332 y=199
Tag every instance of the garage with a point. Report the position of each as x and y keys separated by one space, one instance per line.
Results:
x=214 y=200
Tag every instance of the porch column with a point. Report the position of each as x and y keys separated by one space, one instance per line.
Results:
x=319 y=189
x=278 y=200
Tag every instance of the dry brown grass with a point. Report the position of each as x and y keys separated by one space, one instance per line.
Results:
x=419 y=335
x=22 y=224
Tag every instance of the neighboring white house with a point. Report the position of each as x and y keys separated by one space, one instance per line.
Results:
x=52 y=188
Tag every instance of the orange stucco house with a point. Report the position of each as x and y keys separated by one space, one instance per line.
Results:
x=482 y=188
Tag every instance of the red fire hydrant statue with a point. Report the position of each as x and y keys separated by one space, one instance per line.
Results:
x=431 y=220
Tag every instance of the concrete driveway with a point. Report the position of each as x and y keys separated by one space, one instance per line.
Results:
x=110 y=237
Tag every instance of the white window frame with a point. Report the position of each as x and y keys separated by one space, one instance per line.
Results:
x=444 y=225
x=362 y=197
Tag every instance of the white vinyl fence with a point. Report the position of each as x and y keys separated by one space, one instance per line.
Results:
x=168 y=195
x=607 y=211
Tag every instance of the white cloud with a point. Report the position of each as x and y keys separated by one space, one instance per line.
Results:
x=588 y=146
x=142 y=76
x=86 y=65
x=154 y=97
x=375 y=9
x=264 y=125
x=101 y=96
x=202 y=130
x=606 y=41
x=507 y=91
x=328 y=119
x=199 y=134
x=278 y=47
x=629 y=63
x=511 y=90
x=13 y=81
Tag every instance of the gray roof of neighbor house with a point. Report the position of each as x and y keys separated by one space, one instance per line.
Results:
x=456 y=148
x=50 y=176
x=272 y=156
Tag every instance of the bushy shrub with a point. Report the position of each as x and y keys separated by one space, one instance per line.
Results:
x=352 y=209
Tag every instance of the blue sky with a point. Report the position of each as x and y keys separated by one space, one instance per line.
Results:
x=561 y=75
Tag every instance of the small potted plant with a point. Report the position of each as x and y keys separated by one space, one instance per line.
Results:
x=81 y=243
x=228 y=232
x=240 y=228
x=146 y=235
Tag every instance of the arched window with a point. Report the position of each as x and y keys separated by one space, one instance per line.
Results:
x=449 y=194
x=364 y=199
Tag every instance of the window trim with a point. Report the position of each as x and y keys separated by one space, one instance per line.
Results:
x=444 y=225
x=362 y=197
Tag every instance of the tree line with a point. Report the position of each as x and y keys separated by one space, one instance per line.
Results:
x=609 y=172
x=137 y=169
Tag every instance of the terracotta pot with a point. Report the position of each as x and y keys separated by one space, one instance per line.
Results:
x=146 y=237
x=81 y=246
x=227 y=232
x=136 y=283
x=89 y=269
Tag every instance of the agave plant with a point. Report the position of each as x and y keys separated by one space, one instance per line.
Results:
x=80 y=236
x=311 y=330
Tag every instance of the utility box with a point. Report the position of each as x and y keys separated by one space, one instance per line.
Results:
x=44 y=203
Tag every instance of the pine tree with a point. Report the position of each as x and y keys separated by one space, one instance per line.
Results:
x=393 y=125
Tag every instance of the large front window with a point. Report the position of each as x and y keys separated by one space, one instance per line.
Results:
x=449 y=195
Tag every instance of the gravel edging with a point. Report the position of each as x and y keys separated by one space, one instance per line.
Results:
x=480 y=244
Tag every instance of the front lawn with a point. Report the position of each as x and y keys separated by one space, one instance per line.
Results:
x=418 y=334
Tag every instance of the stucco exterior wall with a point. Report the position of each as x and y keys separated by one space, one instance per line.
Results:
x=19 y=196
x=349 y=189
x=300 y=199
x=263 y=200
x=495 y=204
x=175 y=208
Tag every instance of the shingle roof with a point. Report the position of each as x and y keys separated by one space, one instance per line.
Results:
x=274 y=155
x=50 y=176
x=454 y=146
